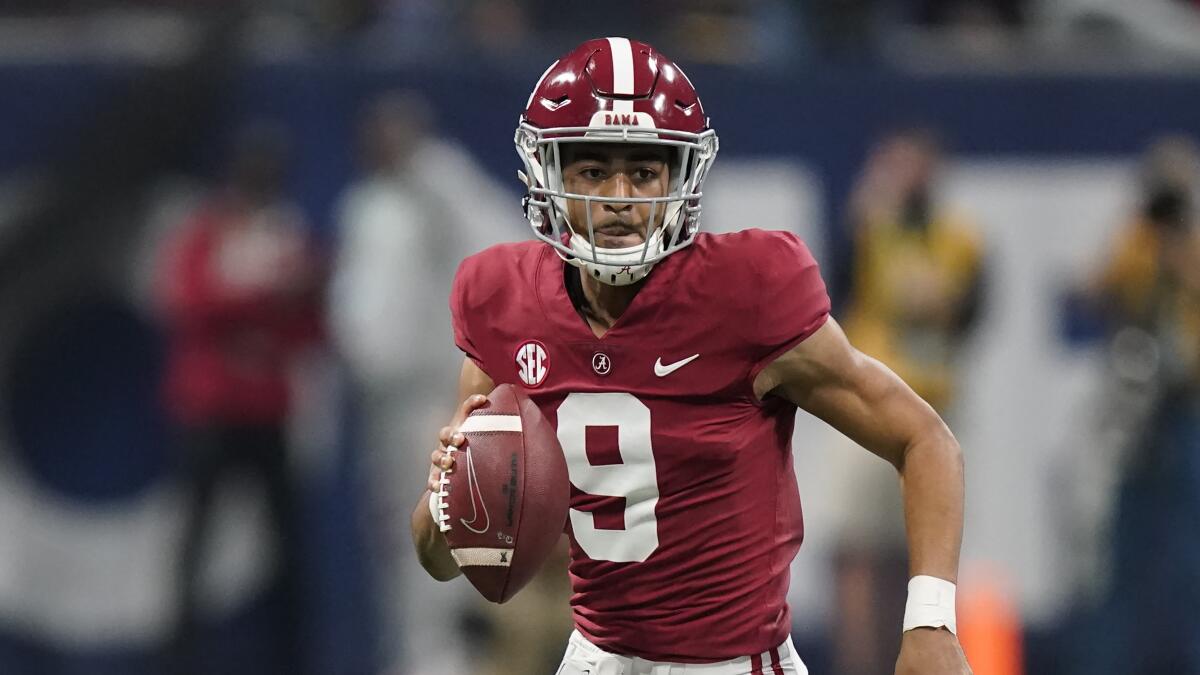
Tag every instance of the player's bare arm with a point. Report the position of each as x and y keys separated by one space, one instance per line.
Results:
x=863 y=399
x=434 y=555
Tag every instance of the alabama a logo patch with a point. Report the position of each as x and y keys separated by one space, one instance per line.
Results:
x=532 y=363
x=601 y=363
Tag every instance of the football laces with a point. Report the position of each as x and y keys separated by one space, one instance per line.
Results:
x=443 y=518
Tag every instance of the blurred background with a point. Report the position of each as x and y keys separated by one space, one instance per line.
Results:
x=227 y=231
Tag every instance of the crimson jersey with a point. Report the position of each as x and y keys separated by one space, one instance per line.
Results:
x=685 y=514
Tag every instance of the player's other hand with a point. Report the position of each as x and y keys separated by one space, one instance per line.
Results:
x=931 y=651
x=449 y=435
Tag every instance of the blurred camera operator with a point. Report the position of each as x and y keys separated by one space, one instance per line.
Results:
x=1149 y=293
x=1152 y=281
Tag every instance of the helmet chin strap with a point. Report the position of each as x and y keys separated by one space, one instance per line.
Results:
x=614 y=266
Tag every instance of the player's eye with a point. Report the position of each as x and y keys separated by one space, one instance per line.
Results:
x=592 y=173
x=645 y=173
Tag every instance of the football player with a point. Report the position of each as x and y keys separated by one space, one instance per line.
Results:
x=672 y=363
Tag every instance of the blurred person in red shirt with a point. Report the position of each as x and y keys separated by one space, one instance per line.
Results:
x=241 y=292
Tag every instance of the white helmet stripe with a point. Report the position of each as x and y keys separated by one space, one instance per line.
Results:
x=622 y=67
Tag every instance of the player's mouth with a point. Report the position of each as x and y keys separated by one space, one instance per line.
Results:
x=617 y=235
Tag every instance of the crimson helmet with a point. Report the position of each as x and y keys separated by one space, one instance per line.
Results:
x=614 y=90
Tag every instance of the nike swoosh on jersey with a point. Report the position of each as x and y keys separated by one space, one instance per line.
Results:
x=662 y=371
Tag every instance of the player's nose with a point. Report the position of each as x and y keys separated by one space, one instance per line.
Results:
x=618 y=187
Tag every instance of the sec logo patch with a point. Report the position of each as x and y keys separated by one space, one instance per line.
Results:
x=533 y=363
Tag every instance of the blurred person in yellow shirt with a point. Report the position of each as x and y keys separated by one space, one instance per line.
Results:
x=917 y=269
x=916 y=287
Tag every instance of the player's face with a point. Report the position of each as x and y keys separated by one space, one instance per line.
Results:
x=617 y=171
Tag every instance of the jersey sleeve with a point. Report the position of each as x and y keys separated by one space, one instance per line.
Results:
x=461 y=311
x=792 y=300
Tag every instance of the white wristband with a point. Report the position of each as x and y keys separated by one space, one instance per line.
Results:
x=930 y=604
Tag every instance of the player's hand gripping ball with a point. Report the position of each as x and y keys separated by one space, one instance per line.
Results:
x=504 y=506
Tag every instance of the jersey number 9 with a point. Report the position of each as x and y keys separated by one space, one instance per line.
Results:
x=634 y=478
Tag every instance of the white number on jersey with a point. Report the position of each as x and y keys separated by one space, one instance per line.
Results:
x=634 y=478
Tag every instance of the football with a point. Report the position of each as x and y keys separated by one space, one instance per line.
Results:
x=504 y=506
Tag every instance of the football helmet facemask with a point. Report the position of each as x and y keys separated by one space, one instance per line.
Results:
x=614 y=90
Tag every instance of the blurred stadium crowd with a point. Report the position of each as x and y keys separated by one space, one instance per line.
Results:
x=227 y=235
x=763 y=33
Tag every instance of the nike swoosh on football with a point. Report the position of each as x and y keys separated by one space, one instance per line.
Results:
x=662 y=371
x=477 y=503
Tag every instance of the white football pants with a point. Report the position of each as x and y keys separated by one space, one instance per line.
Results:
x=585 y=658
